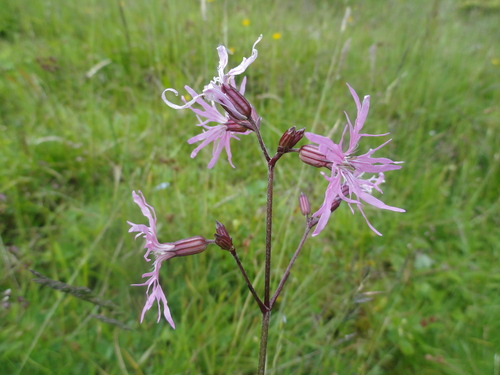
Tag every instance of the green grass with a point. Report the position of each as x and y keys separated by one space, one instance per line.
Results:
x=72 y=149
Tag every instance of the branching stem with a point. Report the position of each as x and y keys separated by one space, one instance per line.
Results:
x=289 y=268
x=262 y=307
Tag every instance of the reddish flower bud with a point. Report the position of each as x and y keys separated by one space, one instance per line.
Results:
x=305 y=207
x=190 y=246
x=236 y=127
x=243 y=126
x=239 y=126
x=238 y=106
x=290 y=138
x=233 y=114
x=310 y=154
x=222 y=238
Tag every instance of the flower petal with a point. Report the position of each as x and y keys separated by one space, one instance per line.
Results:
x=246 y=61
x=175 y=106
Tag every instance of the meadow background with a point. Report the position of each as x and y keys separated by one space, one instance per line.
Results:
x=82 y=125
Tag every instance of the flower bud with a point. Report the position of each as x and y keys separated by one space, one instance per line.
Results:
x=190 y=246
x=310 y=154
x=233 y=114
x=236 y=127
x=290 y=138
x=222 y=238
x=238 y=107
x=305 y=207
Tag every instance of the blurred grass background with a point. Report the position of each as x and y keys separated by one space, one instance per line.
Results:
x=82 y=125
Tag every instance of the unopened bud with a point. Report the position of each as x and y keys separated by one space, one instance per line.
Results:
x=238 y=107
x=290 y=138
x=337 y=201
x=190 y=246
x=222 y=238
x=236 y=127
x=233 y=114
x=310 y=154
x=239 y=126
x=305 y=207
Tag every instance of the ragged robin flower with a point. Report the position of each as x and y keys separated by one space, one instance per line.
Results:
x=161 y=253
x=346 y=180
x=238 y=117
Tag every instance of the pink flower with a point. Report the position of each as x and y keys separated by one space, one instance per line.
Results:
x=162 y=252
x=220 y=134
x=239 y=116
x=348 y=169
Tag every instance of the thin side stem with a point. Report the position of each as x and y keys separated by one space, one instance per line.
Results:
x=263 y=146
x=259 y=138
x=261 y=369
x=262 y=307
x=288 y=269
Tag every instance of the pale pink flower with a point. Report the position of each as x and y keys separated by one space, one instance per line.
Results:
x=162 y=252
x=220 y=134
x=237 y=109
x=348 y=169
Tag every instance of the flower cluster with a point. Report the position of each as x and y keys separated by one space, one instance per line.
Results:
x=223 y=112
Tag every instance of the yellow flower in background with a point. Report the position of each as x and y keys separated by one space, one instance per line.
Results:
x=231 y=50
x=187 y=97
x=495 y=61
x=245 y=22
x=276 y=35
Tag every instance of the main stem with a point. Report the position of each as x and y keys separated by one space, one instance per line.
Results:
x=269 y=229
x=261 y=370
x=266 y=315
